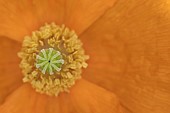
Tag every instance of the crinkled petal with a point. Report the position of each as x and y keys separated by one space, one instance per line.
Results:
x=129 y=50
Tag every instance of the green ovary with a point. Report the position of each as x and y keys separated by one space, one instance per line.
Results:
x=49 y=60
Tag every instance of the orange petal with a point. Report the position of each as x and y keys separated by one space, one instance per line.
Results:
x=84 y=98
x=80 y=14
x=129 y=50
x=89 y=98
x=10 y=75
x=25 y=100
x=21 y=17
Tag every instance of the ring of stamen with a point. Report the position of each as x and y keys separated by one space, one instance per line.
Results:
x=52 y=59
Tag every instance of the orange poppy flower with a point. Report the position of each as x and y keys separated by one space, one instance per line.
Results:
x=128 y=44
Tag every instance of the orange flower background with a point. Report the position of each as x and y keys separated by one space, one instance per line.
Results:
x=129 y=46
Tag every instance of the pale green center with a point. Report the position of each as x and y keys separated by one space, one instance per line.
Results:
x=49 y=60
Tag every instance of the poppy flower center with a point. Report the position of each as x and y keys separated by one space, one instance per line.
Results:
x=49 y=60
x=52 y=59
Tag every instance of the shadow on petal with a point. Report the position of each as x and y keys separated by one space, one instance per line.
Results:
x=10 y=74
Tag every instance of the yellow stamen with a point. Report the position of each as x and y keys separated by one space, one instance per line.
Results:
x=57 y=39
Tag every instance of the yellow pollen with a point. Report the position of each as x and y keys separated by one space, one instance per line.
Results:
x=52 y=59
